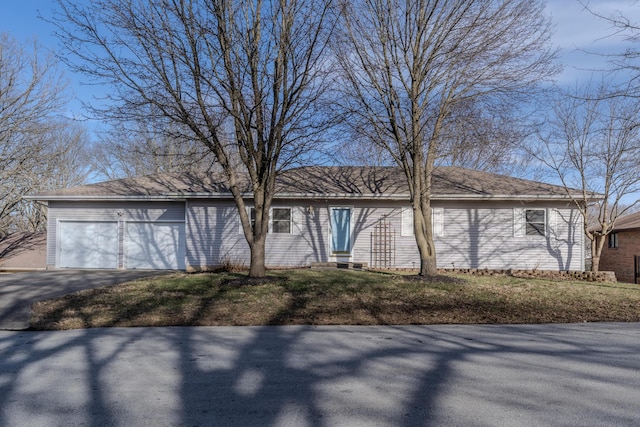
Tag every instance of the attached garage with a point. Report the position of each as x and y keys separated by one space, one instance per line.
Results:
x=154 y=245
x=145 y=235
x=87 y=244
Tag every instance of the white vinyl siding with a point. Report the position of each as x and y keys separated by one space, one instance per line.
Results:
x=479 y=237
x=214 y=236
x=495 y=238
x=482 y=234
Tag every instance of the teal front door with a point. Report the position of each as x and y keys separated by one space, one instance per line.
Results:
x=340 y=230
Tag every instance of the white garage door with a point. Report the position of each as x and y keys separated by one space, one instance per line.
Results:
x=88 y=244
x=155 y=245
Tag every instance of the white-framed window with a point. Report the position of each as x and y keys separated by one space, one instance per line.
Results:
x=613 y=240
x=280 y=220
x=536 y=222
x=437 y=221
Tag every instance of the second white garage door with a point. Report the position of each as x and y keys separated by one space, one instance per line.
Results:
x=155 y=245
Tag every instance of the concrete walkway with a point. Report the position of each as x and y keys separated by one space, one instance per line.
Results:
x=536 y=375
x=19 y=290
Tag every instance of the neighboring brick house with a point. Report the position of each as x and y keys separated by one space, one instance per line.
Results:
x=623 y=245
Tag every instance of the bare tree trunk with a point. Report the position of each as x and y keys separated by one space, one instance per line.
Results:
x=423 y=231
x=257 y=267
x=596 y=251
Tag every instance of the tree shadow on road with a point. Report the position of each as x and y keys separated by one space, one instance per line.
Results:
x=317 y=376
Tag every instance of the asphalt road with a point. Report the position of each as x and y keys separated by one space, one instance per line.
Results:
x=528 y=375
x=19 y=290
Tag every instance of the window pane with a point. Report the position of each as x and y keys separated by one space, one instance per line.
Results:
x=535 y=222
x=281 y=226
x=535 y=229
x=535 y=216
x=281 y=221
x=280 y=214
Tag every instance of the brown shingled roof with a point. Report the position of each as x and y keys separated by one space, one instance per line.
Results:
x=627 y=222
x=316 y=181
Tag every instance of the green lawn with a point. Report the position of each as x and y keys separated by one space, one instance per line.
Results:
x=337 y=297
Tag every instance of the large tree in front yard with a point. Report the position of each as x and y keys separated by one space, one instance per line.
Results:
x=411 y=66
x=244 y=78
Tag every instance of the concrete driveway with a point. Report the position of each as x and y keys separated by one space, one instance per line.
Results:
x=19 y=290
x=526 y=375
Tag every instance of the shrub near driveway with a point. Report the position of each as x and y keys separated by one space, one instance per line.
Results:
x=333 y=297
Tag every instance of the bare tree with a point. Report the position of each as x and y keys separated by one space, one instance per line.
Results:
x=144 y=148
x=623 y=64
x=38 y=149
x=593 y=146
x=243 y=78
x=475 y=139
x=408 y=66
x=63 y=162
x=489 y=140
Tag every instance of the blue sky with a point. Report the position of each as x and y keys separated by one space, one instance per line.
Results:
x=575 y=30
x=21 y=19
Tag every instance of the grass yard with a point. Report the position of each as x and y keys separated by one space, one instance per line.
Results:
x=337 y=297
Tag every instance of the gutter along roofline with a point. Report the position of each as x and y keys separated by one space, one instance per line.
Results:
x=175 y=197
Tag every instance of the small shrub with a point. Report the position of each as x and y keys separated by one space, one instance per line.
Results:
x=229 y=265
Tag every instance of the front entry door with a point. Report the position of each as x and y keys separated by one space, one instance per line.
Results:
x=341 y=231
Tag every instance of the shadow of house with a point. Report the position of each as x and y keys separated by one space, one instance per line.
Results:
x=23 y=251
